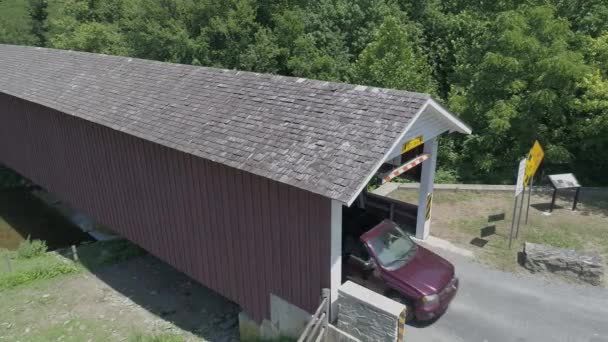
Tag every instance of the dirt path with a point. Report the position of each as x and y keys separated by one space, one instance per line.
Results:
x=140 y=296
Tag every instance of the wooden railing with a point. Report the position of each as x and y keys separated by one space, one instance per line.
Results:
x=316 y=329
x=401 y=212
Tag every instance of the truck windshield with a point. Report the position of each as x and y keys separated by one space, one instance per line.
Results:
x=393 y=248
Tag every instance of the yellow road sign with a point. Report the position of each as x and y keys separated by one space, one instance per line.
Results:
x=417 y=141
x=535 y=157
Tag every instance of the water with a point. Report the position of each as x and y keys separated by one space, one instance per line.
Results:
x=23 y=214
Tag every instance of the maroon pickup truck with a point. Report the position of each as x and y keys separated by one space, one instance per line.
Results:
x=387 y=261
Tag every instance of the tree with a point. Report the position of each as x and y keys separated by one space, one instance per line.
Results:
x=93 y=37
x=519 y=86
x=38 y=14
x=15 y=24
x=393 y=60
x=229 y=34
x=89 y=25
x=264 y=54
x=158 y=30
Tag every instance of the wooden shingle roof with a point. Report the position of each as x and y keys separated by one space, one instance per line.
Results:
x=324 y=137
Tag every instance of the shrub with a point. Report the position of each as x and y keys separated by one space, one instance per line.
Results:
x=31 y=249
x=446 y=176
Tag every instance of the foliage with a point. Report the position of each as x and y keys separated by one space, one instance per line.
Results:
x=520 y=85
x=446 y=176
x=393 y=60
x=30 y=249
x=15 y=24
x=515 y=71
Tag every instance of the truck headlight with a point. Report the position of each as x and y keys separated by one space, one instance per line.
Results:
x=430 y=300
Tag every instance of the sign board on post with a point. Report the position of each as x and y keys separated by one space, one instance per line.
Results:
x=535 y=157
x=564 y=181
x=519 y=186
x=412 y=144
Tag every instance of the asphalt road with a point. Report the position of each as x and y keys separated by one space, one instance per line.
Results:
x=495 y=306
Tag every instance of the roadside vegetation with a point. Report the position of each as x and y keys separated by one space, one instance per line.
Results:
x=114 y=292
x=461 y=216
x=31 y=261
x=514 y=70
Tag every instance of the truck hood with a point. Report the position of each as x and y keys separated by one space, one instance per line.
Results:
x=426 y=272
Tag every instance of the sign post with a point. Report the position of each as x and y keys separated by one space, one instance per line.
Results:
x=529 y=195
x=533 y=161
x=519 y=189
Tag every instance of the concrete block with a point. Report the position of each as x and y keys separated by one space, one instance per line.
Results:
x=367 y=315
x=269 y=331
x=289 y=319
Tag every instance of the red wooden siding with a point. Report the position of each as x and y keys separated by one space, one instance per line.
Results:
x=240 y=234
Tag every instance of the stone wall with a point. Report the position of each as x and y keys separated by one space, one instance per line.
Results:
x=336 y=335
x=366 y=315
x=584 y=267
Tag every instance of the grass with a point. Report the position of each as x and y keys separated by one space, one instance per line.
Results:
x=156 y=338
x=30 y=262
x=79 y=330
x=459 y=216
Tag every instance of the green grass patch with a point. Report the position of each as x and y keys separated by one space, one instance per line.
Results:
x=25 y=271
x=30 y=262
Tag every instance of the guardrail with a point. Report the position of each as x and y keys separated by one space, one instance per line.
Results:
x=317 y=327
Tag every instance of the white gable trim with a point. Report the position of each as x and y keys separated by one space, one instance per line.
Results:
x=457 y=125
x=461 y=127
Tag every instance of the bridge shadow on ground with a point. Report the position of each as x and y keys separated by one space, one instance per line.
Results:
x=22 y=214
x=140 y=279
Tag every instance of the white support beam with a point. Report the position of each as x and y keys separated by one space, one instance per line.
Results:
x=336 y=256
x=425 y=197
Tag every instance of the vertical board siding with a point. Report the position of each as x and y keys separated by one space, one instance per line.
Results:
x=240 y=234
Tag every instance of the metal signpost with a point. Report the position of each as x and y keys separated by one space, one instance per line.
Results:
x=525 y=178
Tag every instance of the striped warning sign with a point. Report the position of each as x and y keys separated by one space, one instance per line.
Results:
x=401 y=326
x=429 y=202
x=407 y=166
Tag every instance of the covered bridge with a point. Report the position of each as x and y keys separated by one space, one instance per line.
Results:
x=237 y=179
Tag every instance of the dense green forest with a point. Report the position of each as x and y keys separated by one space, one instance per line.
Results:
x=515 y=71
